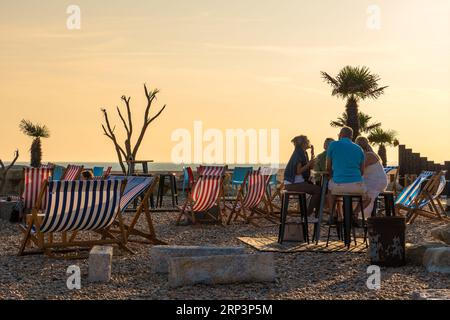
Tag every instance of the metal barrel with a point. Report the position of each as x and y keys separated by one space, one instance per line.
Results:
x=387 y=241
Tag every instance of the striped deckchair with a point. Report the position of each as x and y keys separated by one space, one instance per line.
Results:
x=251 y=194
x=406 y=198
x=390 y=169
x=427 y=203
x=74 y=207
x=72 y=173
x=206 y=194
x=211 y=171
x=34 y=179
x=138 y=186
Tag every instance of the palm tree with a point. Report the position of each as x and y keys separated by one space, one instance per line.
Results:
x=354 y=84
x=365 y=125
x=383 y=138
x=36 y=131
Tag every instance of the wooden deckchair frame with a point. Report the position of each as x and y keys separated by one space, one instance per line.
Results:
x=190 y=214
x=238 y=209
x=142 y=210
x=426 y=194
x=51 y=248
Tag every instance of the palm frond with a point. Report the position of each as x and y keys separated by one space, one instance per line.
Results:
x=34 y=130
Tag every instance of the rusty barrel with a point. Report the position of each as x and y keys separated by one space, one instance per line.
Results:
x=387 y=241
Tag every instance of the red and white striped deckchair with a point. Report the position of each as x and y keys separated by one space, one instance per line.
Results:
x=72 y=173
x=252 y=193
x=107 y=173
x=205 y=195
x=211 y=171
x=34 y=179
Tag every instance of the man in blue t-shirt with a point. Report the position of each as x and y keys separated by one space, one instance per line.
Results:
x=345 y=163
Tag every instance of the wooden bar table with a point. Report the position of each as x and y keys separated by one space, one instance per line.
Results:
x=133 y=163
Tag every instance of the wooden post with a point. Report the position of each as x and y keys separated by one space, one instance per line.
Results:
x=416 y=163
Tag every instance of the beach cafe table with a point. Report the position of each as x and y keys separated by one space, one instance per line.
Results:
x=133 y=163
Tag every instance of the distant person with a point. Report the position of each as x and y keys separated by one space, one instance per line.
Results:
x=87 y=175
x=345 y=164
x=375 y=178
x=298 y=173
x=321 y=160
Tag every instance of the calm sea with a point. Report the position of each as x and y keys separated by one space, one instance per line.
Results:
x=157 y=166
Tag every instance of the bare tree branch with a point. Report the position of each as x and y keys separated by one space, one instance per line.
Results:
x=131 y=152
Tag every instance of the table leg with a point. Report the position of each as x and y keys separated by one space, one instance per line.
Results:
x=322 y=206
x=347 y=219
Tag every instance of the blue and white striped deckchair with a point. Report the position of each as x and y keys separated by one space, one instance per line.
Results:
x=421 y=194
x=390 y=169
x=75 y=206
x=427 y=203
x=409 y=194
x=138 y=186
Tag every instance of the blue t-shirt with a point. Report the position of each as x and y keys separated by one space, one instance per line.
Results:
x=346 y=158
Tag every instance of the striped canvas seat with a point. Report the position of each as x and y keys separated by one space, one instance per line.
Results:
x=211 y=171
x=436 y=193
x=251 y=194
x=255 y=190
x=81 y=205
x=138 y=187
x=134 y=188
x=206 y=194
x=72 y=173
x=390 y=169
x=103 y=175
x=409 y=194
x=33 y=182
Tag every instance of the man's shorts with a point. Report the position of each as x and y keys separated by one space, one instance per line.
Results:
x=348 y=188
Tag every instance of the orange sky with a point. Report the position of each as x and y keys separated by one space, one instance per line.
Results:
x=231 y=64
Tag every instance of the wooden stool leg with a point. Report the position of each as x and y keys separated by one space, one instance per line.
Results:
x=284 y=210
x=347 y=203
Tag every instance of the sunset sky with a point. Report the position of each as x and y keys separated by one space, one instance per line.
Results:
x=230 y=64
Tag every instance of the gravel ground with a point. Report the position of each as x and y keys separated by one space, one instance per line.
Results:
x=299 y=275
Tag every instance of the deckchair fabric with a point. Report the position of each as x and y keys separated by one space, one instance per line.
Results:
x=72 y=173
x=439 y=190
x=409 y=194
x=98 y=172
x=256 y=189
x=81 y=205
x=107 y=172
x=206 y=192
x=389 y=169
x=34 y=178
x=134 y=188
x=212 y=171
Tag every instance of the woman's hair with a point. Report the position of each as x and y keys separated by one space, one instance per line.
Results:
x=298 y=141
x=87 y=175
x=363 y=142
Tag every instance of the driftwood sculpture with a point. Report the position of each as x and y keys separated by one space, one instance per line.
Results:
x=5 y=169
x=129 y=151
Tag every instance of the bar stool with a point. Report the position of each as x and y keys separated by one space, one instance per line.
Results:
x=349 y=220
x=389 y=204
x=173 y=189
x=285 y=199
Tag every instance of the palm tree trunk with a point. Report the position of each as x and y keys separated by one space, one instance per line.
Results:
x=36 y=153
x=352 y=116
x=383 y=154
